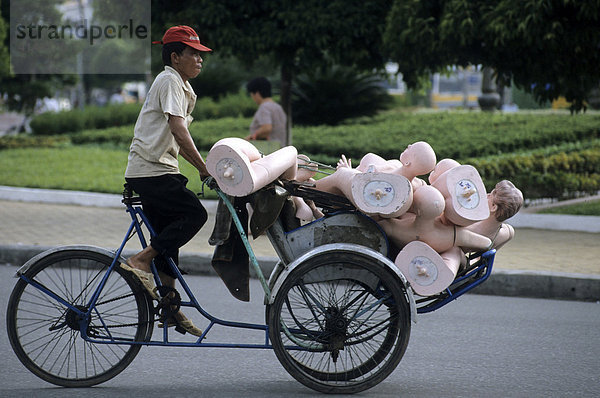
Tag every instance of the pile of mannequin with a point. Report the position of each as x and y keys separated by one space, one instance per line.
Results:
x=434 y=222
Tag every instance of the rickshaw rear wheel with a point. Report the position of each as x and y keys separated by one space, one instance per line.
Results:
x=340 y=323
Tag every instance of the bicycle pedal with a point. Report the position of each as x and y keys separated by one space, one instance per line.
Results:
x=180 y=329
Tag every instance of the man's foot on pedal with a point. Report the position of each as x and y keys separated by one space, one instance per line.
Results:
x=182 y=325
x=146 y=279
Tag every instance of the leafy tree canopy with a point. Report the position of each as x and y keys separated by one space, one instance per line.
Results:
x=297 y=35
x=549 y=48
x=297 y=32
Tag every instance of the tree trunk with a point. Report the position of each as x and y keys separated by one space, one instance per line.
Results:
x=286 y=99
x=489 y=99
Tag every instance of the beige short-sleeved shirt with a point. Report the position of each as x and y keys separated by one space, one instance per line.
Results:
x=154 y=151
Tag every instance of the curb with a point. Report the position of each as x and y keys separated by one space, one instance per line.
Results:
x=556 y=222
x=78 y=198
x=532 y=284
x=540 y=284
x=192 y=263
x=56 y=196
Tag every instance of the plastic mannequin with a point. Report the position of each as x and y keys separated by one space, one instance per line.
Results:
x=417 y=159
x=379 y=164
x=427 y=271
x=431 y=251
x=441 y=167
x=425 y=225
x=374 y=193
x=504 y=201
x=379 y=187
x=240 y=169
x=306 y=210
x=463 y=190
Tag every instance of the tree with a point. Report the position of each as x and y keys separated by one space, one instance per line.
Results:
x=298 y=35
x=549 y=48
x=4 y=58
x=23 y=90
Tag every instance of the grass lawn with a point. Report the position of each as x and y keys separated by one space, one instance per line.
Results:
x=80 y=168
x=587 y=208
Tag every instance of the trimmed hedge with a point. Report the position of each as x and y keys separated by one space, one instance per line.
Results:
x=231 y=105
x=205 y=133
x=94 y=117
x=451 y=134
x=560 y=172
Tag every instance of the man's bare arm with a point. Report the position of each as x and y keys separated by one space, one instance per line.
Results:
x=187 y=148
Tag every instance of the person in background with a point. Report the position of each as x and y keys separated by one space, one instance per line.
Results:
x=269 y=122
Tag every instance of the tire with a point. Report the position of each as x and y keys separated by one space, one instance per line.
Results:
x=340 y=322
x=45 y=334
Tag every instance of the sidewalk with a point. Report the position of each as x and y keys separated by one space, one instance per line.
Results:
x=551 y=256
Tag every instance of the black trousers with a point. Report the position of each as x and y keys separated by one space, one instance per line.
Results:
x=174 y=212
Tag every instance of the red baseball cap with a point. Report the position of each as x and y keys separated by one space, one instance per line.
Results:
x=183 y=34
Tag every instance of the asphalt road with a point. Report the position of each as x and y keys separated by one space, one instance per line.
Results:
x=477 y=346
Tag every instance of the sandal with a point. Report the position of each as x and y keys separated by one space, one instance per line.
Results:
x=146 y=279
x=182 y=326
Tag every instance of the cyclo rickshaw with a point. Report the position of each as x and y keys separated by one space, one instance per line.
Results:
x=338 y=311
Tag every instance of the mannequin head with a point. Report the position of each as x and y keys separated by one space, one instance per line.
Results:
x=441 y=167
x=505 y=200
x=428 y=202
x=419 y=158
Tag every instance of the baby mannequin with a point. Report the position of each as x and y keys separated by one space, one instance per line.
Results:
x=463 y=191
x=504 y=201
x=441 y=167
x=240 y=169
x=425 y=226
x=417 y=159
x=377 y=163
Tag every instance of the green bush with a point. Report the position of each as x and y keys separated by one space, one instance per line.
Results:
x=331 y=95
x=92 y=117
x=454 y=135
x=586 y=208
x=560 y=172
x=116 y=136
x=204 y=133
x=231 y=105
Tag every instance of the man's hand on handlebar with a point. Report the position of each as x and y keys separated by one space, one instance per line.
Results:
x=203 y=174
